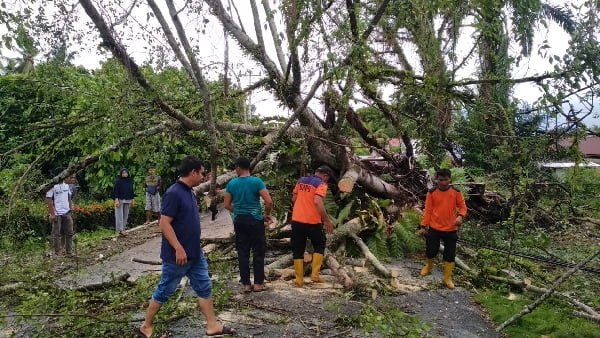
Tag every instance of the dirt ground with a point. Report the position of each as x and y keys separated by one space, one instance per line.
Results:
x=282 y=310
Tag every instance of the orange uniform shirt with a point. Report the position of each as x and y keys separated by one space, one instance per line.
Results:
x=305 y=210
x=441 y=209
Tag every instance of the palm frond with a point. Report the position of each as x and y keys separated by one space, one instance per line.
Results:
x=561 y=15
x=525 y=13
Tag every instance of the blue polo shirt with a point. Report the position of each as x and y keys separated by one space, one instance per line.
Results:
x=245 y=195
x=180 y=203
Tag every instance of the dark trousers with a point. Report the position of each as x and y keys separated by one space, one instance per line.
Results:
x=250 y=235
x=214 y=210
x=62 y=226
x=302 y=231
x=432 y=242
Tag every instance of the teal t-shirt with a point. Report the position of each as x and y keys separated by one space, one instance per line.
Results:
x=245 y=195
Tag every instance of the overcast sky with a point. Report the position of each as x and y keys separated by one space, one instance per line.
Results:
x=213 y=46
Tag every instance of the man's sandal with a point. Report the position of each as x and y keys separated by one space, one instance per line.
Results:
x=224 y=331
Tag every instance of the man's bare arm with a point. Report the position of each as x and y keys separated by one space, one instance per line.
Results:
x=227 y=202
x=320 y=205
x=167 y=230
x=268 y=204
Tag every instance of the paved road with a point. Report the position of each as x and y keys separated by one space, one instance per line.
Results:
x=113 y=267
x=451 y=313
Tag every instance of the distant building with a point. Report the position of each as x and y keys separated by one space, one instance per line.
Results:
x=589 y=147
x=561 y=169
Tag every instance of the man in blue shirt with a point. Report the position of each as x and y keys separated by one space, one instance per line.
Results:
x=242 y=196
x=180 y=250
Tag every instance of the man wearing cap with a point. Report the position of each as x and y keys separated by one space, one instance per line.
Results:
x=308 y=217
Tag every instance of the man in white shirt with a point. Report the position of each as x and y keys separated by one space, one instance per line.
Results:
x=60 y=205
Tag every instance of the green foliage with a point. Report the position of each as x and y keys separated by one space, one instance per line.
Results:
x=41 y=308
x=583 y=185
x=399 y=240
x=571 y=244
x=552 y=318
x=330 y=204
x=346 y=212
x=89 y=112
x=405 y=233
x=29 y=219
x=377 y=244
x=380 y=319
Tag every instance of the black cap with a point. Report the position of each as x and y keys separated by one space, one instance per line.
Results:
x=325 y=170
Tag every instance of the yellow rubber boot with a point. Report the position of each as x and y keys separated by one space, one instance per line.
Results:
x=316 y=267
x=299 y=270
x=448 y=267
x=427 y=268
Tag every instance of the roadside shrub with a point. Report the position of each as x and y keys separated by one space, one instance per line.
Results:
x=102 y=215
x=26 y=219
x=29 y=218
x=91 y=217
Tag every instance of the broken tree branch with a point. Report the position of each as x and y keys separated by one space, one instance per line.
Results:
x=548 y=293
x=370 y=257
x=339 y=271
x=589 y=312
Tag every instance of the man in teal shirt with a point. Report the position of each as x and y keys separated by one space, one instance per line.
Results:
x=242 y=196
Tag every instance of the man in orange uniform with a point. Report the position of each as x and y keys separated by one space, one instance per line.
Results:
x=308 y=217
x=440 y=221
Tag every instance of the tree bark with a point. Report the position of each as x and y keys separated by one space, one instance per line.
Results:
x=348 y=180
x=340 y=233
x=370 y=257
x=281 y=263
x=339 y=271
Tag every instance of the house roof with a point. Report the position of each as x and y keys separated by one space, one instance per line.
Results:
x=589 y=146
x=557 y=165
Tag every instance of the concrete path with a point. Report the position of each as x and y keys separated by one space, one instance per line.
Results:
x=116 y=266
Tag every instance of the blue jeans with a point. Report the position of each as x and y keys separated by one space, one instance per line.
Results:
x=196 y=271
x=250 y=235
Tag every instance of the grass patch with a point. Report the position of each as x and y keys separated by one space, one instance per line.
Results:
x=552 y=318
x=38 y=307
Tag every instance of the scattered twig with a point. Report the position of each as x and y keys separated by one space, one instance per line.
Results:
x=145 y=261
x=184 y=282
x=548 y=293
x=588 y=310
x=56 y=315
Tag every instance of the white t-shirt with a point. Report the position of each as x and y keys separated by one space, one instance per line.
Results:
x=60 y=194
